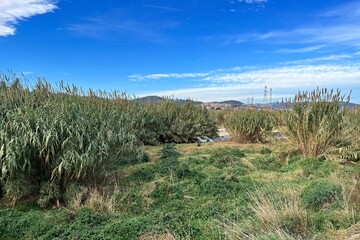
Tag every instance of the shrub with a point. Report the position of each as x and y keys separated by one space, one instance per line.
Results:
x=16 y=189
x=249 y=125
x=67 y=136
x=168 y=151
x=182 y=123
x=75 y=196
x=316 y=122
x=321 y=194
x=219 y=116
x=48 y=194
x=351 y=149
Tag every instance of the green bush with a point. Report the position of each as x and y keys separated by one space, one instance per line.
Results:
x=249 y=125
x=169 y=151
x=316 y=122
x=67 y=136
x=350 y=150
x=17 y=188
x=48 y=194
x=181 y=123
x=320 y=193
x=219 y=116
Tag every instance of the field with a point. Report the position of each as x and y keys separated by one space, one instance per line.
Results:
x=214 y=191
x=86 y=165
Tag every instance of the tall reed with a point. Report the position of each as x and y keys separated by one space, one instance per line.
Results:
x=316 y=122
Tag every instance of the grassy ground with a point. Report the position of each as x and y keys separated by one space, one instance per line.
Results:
x=210 y=191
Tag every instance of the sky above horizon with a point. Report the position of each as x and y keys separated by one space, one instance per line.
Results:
x=199 y=49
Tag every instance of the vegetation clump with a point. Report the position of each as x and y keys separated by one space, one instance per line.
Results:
x=51 y=138
x=316 y=122
x=249 y=125
x=82 y=156
x=320 y=194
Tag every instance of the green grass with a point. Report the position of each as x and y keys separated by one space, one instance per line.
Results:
x=216 y=191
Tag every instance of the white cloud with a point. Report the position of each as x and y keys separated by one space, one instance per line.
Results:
x=345 y=34
x=253 y=1
x=339 y=25
x=301 y=50
x=139 y=77
x=285 y=81
x=13 y=11
x=323 y=59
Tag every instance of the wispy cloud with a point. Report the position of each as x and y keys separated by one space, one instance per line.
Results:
x=249 y=1
x=139 y=77
x=337 y=57
x=338 y=25
x=253 y=1
x=301 y=50
x=14 y=11
x=166 y=8
x=348 y=11
x=114 y=26
x=197 y=75
x=285 y=80
x=345 y=34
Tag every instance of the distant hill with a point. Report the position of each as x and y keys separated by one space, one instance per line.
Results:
x=233 y=103
x=147 y=99
x=353 y=105
x=279 y=105
x=157 y=99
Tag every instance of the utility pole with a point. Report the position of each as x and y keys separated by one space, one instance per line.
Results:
x=265 y=95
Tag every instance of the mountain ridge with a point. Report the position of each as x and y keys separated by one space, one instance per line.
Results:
x=232 y=103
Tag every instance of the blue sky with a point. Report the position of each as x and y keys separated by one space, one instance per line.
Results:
x=199 y=49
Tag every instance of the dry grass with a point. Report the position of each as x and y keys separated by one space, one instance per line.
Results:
x=101 y=201
x=276 y=216
x=272 y=212
x=93 y=198
x=352 y=233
